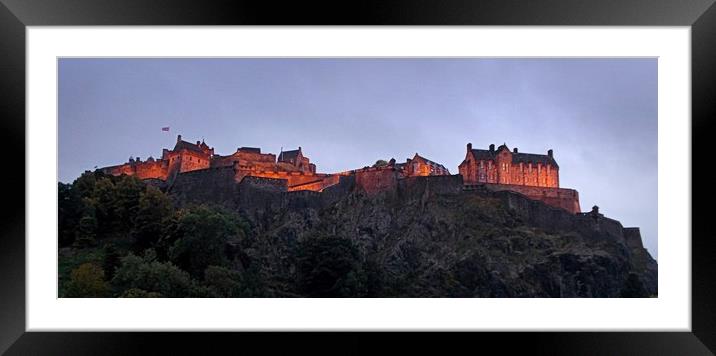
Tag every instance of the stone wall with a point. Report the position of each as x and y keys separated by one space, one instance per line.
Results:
x=448 y=184
x=142 y=170
x=567 y=199
x=215 y=185
x=375 y=180
x=549 y=218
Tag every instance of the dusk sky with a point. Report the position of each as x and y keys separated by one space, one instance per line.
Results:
x=598 y=115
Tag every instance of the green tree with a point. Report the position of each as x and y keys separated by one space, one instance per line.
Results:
x=152 y=213
x=86 y=229
x=87 y=280
x=139 y=293
x=222 y=282
x=104 y=200
x=330 y=267
x=380 y=163
x=68 y=214
x=201 y=239
x=164 y=278
x=129 y=189
x=111 y=261
x=85 y=184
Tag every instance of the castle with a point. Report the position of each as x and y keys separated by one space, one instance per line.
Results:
x=535 y=176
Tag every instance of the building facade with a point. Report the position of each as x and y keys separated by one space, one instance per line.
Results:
x=502 y=166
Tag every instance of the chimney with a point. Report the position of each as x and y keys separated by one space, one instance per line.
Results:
x=515 y=150
x=299 y=148
x=469 y=147
x=178 y=138
x=492 y=147
x=549 y=152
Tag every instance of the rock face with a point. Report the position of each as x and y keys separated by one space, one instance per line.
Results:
x=430 y=238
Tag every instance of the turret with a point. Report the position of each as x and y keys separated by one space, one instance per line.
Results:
x=514 y=150
x=492 y=147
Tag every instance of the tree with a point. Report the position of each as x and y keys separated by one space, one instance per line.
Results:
x=68 y=214
x=104 y=200
x=87 y=280
x=222 y=282
x=139 y=293
x=153 y=210
x=87 y=229
x=85 y=184
x=380 y=163
x=201 y=238
x=330 y=267
x=111 y=261
x=129 y=189
x=164 y=278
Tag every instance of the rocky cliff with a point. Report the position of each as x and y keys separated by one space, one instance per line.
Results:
x=428 y=237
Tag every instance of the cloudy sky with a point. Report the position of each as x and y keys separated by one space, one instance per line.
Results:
x=598 y=115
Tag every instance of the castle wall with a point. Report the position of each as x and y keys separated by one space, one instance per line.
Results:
x=295 y=180
x=567 y=199
x=557 y=219
x=142 y=170
x=375 y=180
x=247 y=159
x=192 y=161
x=446 y=184
x=216 y=185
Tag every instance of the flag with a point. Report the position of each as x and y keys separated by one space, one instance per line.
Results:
x=165 y=129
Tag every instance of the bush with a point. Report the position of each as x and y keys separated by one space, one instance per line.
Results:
x=164 y=278
x=330 y=267
x=86 y=231
x=222 y=282
x=139 y=293
x=87 y=280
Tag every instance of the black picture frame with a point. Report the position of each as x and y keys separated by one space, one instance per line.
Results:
x=15 y=15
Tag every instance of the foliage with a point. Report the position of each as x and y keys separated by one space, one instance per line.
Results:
x=329 y=267
x=87 y=281
x=380 y=163
x=152 y=276
x=69 y=212
x=222 y=282
x=153 y=210
x=111 y=261
x=139 y=293
x=86 y=230
x=201 y=238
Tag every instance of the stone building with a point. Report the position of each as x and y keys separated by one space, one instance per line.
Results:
x=535 y=176
x=296 y=160
x=502 y=166
x=292 y=166
x=419 y=166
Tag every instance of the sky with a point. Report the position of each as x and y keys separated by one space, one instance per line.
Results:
x=598 y=115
